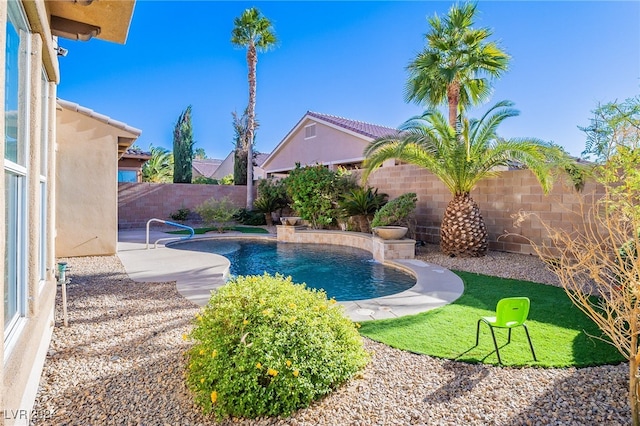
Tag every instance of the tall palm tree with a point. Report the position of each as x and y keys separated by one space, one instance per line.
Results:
x=460 y=157
x=159 y=168
x=455 y=65
x=254 y=32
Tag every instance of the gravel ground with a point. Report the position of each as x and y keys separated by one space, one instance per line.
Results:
x=120 y=362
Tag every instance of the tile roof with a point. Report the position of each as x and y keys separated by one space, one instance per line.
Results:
x=260 y=157
x=361 y=127
x=100 y=117
x=206 y=167
x=136 y=153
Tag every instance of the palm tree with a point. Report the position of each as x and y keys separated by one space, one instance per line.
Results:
x=254 y=32
x=460 y=157
x=454 y=66
x=159 y=168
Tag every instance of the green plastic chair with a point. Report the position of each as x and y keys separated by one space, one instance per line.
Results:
x=511 y=312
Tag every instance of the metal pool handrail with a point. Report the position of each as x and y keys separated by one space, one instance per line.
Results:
x=166 y=222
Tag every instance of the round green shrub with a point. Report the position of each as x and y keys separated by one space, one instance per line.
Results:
x=264 y=346
x=396 y=211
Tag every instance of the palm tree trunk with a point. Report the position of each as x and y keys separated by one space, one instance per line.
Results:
x=453 y=98
x=252 y=61
x=463 y=231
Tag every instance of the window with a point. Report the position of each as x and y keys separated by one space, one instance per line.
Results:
x=310 y=131
x=15 y=171
x=44 y=145
x=127 y=176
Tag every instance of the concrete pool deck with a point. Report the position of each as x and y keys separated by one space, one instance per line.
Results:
x=197 y=273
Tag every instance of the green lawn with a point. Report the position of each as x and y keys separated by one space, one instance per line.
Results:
x=562 y=335
x=243 y=229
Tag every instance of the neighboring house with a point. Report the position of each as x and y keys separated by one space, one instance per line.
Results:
x=87 y=190
x=226 y=167
x=204 y=168
x=130 y=165
x=323 y=139
x=33 y=179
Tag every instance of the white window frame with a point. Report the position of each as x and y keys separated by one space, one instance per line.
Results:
x=12 y=328
x=44 y=145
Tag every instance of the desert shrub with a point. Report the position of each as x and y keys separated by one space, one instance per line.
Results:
x=312 y=191
x=249 y=217
x=396 y=211
x=217 y=212
x=204 y=180
x=361 y=204
x=227 y=180
x=180 y=214
x=264 y=346
x=272 y=196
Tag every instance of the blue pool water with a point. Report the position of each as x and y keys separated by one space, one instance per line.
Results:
x=345 y=273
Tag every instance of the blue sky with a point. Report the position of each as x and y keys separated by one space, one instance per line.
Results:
x=348 y=59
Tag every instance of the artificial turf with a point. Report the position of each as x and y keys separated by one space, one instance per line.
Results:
x=562 y=335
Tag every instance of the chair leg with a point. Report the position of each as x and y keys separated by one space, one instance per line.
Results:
x=495 y=344
x=509 y=339
x=530 y=344
x=478 y=333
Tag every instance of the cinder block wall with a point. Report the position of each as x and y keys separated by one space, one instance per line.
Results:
x=499 y=198
x=139 y=202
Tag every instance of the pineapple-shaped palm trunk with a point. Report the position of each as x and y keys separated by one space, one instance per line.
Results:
x=463 y=231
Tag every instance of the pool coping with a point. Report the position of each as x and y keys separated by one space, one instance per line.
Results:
x=197 y=273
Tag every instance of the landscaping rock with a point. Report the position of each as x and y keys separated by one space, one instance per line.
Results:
x=121 y=361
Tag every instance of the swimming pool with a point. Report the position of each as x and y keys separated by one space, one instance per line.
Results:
x=345 y=273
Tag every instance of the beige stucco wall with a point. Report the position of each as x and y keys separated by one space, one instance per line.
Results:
x=23 y=357
x=225 y=168
x=329 y=146
x=86 y=185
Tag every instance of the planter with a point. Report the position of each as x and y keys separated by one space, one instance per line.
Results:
x=390 y=232
x=290 y=220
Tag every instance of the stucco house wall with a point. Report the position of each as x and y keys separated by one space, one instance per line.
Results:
x=323 y=139
x=87 y=190
x=29 y=74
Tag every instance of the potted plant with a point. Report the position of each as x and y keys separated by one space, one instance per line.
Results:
x=393 y=219
x=361 y=204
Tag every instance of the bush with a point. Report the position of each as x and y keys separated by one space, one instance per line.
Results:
x=217 y=212
x=396 y=212
x=180 y=214
x=361 y=204
x=267 y=347
x=249 y=217
x=227 y=180
x=312 y=190
x=201 y=180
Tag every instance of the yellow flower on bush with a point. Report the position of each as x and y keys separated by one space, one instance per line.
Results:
x=214 y=397
x=214 y=353
x=199 y=317
x=266 y=312
x=292 y=320
x=288 y=363
x=296 y=373
x=201 y=352
x=333 y=301
x=357 y=325
x=292 y=305
x=202 y=380
x=258 y=366
x=272 y=372
x=185 y=337
x=245 y=322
